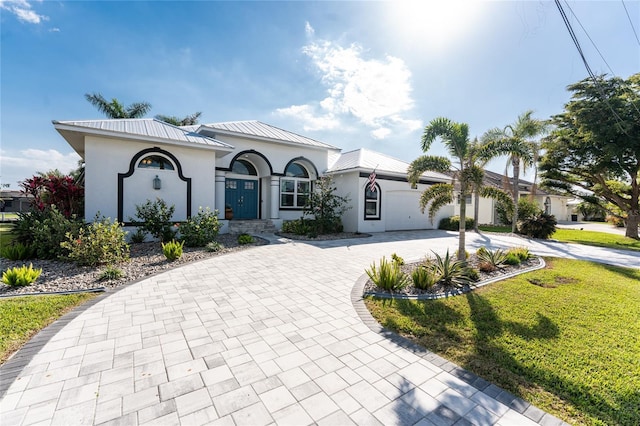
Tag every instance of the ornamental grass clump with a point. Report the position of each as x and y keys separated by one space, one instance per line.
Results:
x=21 y=276
x=387 y=275
x=17 y=251
x=245 y=239
x=172 y=250
x=523 y=253
x=423 y=277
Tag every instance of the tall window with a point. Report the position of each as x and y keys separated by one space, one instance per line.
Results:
x=155 y=162
x=372 y=203
x=295 y=187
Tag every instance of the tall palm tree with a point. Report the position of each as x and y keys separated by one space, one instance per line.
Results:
x=189 y=120
x=455 y=137
x=115 y=109
x=517 y=141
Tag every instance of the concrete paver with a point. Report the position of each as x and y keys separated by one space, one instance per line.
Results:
x=260 y=336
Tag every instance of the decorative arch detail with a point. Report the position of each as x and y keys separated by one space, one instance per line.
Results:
x=305 y=162
x=248 y=151
x=132 y=168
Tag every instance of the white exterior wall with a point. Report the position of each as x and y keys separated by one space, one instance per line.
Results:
x=485 y=212
x=108 y=157
x=347 y=186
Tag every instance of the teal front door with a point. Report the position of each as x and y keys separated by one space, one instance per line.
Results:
x=242 y=196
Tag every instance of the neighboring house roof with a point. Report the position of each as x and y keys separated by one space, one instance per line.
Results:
x=364 y=159
x=11 y=193
x=497 y=180
x=148 y=129
x=258 y=130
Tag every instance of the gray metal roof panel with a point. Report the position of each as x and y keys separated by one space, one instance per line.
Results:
x=263 y=130
x=146 y=127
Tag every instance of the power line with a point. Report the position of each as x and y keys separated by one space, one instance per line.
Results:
x=589 y=37
x=631 y=22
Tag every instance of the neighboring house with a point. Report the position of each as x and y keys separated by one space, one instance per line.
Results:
x=14 y=201
x=549 y=203
x=258 y=170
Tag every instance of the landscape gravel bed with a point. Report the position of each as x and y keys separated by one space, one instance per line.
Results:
x=146 y=259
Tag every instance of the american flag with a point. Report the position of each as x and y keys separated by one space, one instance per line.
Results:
x=372 y=181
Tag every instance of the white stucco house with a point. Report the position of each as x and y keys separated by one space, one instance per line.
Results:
x=262 y=172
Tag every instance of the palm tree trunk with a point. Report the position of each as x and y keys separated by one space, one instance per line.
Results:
x=476 y=208
x=516 y=193
x=462 y=253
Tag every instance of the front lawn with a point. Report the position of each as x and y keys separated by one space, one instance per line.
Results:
x=564 y=338
x=22 y=317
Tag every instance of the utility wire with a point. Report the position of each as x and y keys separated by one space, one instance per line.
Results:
x=631 y=22
x=589 y=37
x=586 y=65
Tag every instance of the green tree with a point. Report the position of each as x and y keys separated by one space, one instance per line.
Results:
x=326 y=206
x=455 y=137
x=189 y=120
x=115 y=109
x=517 y=141
x=594 y=150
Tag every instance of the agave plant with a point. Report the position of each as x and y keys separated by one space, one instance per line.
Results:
x=496 y=258
x=451 y=272
x=388 y=275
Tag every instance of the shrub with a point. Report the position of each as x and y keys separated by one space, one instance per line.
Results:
x=450 y=271
x=45 y=230
x=214 y=246
x=155 y=219
x=298 y=226
x=97 y=243
x=495 y=258
x=423 y=277
x=387 y=276
x=22 y=276
x=539 y=226
x=453 y=223
x=200 y=229
x=397 y=259
x=54 y=190
x=17 y=251
x=172 y=250
x=512 y=259
x=111 y=273
x=245 y=239
x=472 y=274
x=526 y=210
x=138 y=236
x=523 y=253
x=326 y=207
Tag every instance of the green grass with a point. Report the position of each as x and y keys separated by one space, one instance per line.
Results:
x=6 y=236
x=495 y=228
x=22 y=317
x=564 y=338
x=599 y=239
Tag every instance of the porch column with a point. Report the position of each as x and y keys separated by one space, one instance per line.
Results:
x=220 y=187
x=275 y=197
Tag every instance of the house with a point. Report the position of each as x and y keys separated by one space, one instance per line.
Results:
x=260 y=171
x=14 y=201
x=553 y=204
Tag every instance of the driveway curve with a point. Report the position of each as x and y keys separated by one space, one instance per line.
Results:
x=262 y=336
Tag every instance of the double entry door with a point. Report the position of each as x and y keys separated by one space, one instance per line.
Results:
x=242 y=196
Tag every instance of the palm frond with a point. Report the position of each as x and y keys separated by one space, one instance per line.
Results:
x=438 y=195
x=427 y=163
x=137 y=109
x=497 y=194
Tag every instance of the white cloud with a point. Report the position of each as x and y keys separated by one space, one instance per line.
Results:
x=23 y=11
x=54 y=30
x=375 y=92
x=19 y=166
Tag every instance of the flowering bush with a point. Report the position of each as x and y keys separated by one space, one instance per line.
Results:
x=155 y=218
x=201 y=229
x=101 y=242
x=61 y=192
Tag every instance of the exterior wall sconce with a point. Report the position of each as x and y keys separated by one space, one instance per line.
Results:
x=157 y=183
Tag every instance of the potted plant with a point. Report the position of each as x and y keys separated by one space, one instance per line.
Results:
x=228 y=212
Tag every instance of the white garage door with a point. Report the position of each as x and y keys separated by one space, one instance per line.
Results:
x=402 y=211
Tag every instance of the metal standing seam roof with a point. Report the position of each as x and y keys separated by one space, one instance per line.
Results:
x=146 y=127
x=262 y=130
x=366 y=159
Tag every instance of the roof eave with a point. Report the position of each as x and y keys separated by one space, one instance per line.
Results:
x=216 y=130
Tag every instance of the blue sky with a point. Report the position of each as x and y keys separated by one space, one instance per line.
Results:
x=352 y=74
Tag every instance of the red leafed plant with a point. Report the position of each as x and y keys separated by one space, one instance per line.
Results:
x=59 y=191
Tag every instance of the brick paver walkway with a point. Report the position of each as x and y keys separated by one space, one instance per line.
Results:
x=267 y=335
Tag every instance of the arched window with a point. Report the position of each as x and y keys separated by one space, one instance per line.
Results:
x=372 y=202
x=155 y=162
x=295 y=187
x=547 y=205
x=243 y=167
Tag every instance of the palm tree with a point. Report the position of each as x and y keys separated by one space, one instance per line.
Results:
x=455 y=137
x=189 y=120
x=115 y=109
x=516 y=141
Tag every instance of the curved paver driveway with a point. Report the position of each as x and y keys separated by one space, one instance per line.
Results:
x=255 y=337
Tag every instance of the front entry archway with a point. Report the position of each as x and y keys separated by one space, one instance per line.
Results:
x=242 y=196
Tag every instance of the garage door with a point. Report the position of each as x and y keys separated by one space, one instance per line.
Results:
x=402 y=211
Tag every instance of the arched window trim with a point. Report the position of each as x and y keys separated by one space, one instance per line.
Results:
x=156 y=162
x=372 y=206
x=251 y=168
x=295 y=190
